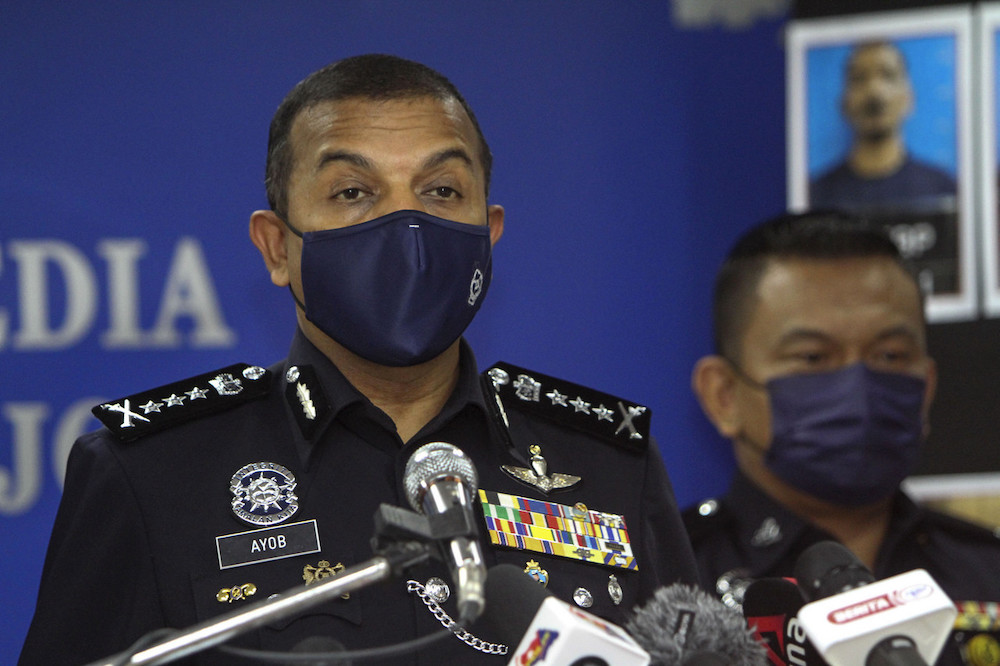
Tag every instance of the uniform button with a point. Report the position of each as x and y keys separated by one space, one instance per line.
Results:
x=583 y=598
x=768 y=534
x=708 y=508
x=437 y=589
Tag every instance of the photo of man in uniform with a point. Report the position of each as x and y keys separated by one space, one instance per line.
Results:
x=879 y=172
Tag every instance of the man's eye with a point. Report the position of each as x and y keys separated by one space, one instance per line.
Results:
x=445 y=192
x=350 y=194
x=812 y=358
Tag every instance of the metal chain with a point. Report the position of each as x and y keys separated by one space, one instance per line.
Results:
x=448 y=623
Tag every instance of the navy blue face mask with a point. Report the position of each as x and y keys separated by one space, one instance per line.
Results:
x=397 y=290
x=849 y=436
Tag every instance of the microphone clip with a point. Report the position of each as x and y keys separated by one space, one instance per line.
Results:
x=405 y=537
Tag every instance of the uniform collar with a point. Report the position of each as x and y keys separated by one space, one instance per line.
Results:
x=333 y=397
x=774 y=534
x=769 y=530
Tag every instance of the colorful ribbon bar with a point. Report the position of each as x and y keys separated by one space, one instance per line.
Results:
x=557 y=529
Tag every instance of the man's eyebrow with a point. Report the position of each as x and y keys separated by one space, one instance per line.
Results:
x=802 y=334
x=328 y=157
x=799 y=334
x=903 y=331
x=440 y=157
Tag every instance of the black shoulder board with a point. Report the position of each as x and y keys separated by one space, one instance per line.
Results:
x=614 y=419
x=961 y=527
x=160 y=408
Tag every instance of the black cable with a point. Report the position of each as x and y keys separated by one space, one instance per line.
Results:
x=153 y=637
x=365 y=654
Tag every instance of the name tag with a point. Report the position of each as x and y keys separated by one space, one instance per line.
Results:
x=272 y=543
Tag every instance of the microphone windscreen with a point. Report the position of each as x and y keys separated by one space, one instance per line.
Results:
x=512 y=599
x=828 y=568
x=767 y=597
x=680 y=621
x=706 y=659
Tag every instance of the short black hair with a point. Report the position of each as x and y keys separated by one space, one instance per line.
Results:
x=375 y=77
x=809 y=235
x=875 y=44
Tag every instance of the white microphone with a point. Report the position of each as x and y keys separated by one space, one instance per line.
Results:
x=902 y=620
x=538 y=628
x=439 y=477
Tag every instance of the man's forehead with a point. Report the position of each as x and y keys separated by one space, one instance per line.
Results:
x=360 y=113
x=830 y=287
x=871 y=53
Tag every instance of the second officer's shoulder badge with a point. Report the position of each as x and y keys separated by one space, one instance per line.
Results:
x=614 y=419
x=162 y=407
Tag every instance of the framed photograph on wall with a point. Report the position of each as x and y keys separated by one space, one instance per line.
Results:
x=989 y=174
x=879 y=123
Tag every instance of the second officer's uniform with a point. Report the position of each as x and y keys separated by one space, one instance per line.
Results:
x=745 y=535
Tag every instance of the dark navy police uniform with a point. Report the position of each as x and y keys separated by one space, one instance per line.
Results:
x=134 y=546
x=746 y=535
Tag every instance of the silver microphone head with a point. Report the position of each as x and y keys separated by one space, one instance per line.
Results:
x=434 y=461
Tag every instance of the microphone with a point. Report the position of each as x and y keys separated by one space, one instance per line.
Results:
x=439 y=478
x=545 y=630
x=903 y=620
x=682 y=625
x=770 y=606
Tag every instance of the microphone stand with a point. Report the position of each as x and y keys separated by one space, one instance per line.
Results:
x=403 y=539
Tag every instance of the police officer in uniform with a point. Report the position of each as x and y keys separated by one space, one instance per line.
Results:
x=223 y=489
x=823 y=383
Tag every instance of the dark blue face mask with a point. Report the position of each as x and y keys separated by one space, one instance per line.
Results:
x=849 y=436
x=397 y=290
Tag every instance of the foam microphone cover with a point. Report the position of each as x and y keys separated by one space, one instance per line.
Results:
x=681 y=621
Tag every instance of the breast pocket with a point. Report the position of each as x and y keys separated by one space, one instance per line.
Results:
x=608 y=592
x=235 y=589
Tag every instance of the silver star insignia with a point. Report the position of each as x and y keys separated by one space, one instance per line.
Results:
x=557 y=398
x=173 y=400
x=603 y=413
x=196 y=393
x=151 y=407
x=579 y=405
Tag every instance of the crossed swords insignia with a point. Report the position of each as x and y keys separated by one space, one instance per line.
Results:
x=126 y=412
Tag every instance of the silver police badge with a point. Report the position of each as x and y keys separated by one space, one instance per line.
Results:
x=263 y=493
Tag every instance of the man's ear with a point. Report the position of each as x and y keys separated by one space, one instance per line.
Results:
x=929 y=392
x=268 y=233
x=714 y=382
x=494 y=217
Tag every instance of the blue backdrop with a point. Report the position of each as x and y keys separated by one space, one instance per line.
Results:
x=629 y=153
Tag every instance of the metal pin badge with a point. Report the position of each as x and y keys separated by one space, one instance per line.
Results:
x=228 y=595
x=538 y=476
x=535 y=570
x=313 y=574
x=583 y=597
x=614 y=589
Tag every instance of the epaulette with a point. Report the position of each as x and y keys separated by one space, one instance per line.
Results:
x=613 y=419
x=962 y=527
x=165 y=406
x=703 y=518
